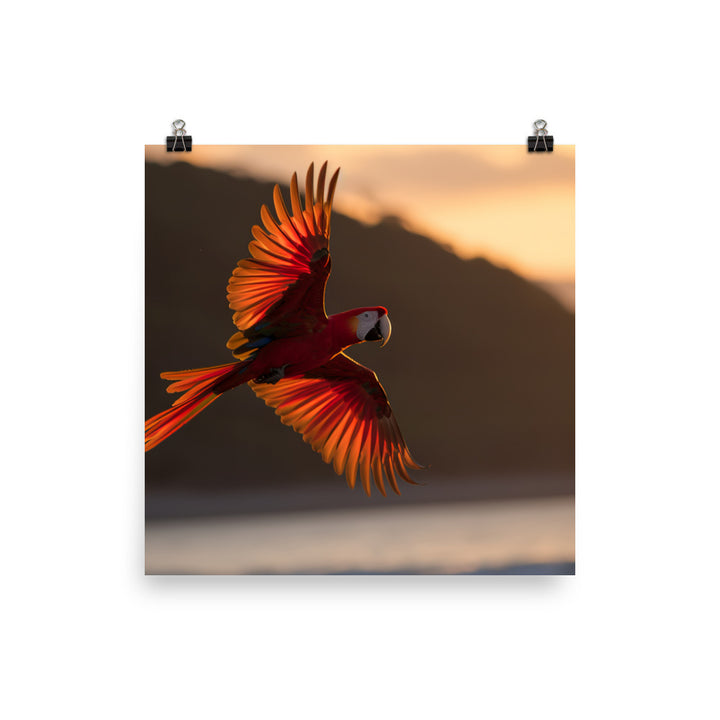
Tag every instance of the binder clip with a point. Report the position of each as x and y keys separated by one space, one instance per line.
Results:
x=179 y=141
x=535 y=143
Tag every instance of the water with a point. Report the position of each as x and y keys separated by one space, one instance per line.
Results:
x=504 y=537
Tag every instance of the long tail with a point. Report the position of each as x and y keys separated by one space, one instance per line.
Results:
x=200 y=388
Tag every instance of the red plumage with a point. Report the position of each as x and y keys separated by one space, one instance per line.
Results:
x=290 y=352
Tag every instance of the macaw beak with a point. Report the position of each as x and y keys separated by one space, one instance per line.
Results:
x=380 y=331
x=385 y=329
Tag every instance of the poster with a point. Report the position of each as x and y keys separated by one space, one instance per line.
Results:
x=466 y=256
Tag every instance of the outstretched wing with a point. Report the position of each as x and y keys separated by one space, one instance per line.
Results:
x=342 y=410
x=280 y=290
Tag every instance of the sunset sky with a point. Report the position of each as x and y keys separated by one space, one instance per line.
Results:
x=496 y=201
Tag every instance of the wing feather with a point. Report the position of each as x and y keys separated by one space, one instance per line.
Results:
x=309 y=213
x=376 y=462
x=280 y=289
x=351 y=465
x=390 y=473
x=298 y=218
x=342 y=412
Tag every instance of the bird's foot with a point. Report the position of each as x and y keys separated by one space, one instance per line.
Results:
x=272 y=376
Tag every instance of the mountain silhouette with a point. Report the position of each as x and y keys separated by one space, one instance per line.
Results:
x=479 y=369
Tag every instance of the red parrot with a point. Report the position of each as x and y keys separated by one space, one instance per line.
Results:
x=290 y=352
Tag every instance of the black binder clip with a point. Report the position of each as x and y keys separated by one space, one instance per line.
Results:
x=535 y=144
x=179 y=141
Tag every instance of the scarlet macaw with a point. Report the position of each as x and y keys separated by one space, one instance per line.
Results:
x=290 y=352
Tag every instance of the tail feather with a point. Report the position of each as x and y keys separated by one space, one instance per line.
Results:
x=193 y=382
x=163 y=425
x=200 y=388
x=184 y=377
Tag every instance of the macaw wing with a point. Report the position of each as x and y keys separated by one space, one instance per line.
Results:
x=280 y=290
x=342 y=411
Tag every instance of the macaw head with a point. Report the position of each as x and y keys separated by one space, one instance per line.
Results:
x=373 y=324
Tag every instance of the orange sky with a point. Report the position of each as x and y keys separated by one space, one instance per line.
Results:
x=497 y=201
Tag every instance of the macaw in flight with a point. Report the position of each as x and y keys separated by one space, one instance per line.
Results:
x=290 y=352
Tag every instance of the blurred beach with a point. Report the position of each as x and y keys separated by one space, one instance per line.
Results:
x=510 y=536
